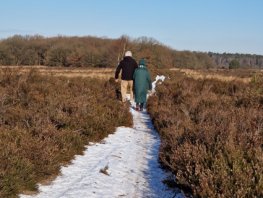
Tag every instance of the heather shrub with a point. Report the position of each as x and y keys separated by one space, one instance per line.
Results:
x=211 y=135
x=45 y=121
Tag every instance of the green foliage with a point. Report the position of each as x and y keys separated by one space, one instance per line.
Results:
x=245 y=60
x=234 y=64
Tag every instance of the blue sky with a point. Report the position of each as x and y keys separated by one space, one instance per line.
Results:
x=233 y=26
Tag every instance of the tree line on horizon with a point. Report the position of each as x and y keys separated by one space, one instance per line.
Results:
x=98 y=52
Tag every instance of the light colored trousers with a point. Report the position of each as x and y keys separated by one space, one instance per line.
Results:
x=125 y=85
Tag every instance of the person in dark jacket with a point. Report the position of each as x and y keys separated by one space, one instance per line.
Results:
x=128 y=66
x=142 y=83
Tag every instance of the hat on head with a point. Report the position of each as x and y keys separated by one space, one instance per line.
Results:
x=128 y=53
x=142 y=62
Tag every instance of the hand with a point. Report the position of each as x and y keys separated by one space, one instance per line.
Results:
x=116 y=80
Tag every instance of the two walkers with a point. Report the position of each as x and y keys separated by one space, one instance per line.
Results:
x=134 y=77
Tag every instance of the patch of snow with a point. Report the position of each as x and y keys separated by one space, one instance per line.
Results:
x=159 y=79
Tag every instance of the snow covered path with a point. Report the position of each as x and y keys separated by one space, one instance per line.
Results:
x=129 y=158
x=125 y=164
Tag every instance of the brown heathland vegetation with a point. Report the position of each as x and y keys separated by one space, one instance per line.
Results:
x=211 y=134
x=45 y=120
x=210 y=123
x=214 y=74
x=102 y=73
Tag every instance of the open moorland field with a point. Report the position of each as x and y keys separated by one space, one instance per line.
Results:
x=104 y=73
x=211 y=131
x=239 y=75
x=47 y=119
x=210 y=122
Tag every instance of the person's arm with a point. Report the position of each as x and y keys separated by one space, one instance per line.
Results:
x=149 y=81
x=135 y=64
x=118 y=69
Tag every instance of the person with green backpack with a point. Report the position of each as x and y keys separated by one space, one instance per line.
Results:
x=142 y=83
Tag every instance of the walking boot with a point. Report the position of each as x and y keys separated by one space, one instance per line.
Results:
x=141 y=107
x=137 y=108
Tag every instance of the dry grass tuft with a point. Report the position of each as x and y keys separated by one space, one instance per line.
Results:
x=225 y=75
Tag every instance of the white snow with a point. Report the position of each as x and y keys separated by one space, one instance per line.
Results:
x=157 y=80
x=129 y=158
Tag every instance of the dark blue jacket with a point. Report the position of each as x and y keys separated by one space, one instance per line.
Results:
x=128 y=66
